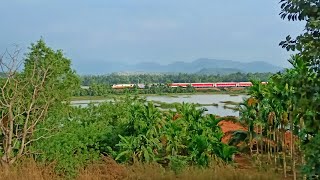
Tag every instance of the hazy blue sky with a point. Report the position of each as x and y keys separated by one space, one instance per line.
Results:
x=150 y=30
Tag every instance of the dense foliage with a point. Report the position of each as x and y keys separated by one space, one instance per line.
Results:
x=26 y=95
x=131 y=130
x=169 y=78
x=290 y=103
x=104 y=90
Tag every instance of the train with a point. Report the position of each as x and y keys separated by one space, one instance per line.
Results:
x=195 y=85
x=123 y=86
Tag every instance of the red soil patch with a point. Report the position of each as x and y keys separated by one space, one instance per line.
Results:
x=229 y=126
x=287 y=139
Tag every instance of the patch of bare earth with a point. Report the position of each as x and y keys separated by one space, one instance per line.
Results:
x=228 y=127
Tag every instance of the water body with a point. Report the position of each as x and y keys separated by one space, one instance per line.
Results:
x=200 y=99
x=84 y=103
x=204 y=99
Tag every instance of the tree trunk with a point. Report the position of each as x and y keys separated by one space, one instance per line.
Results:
x=275 y=134
x=284 y=154
x=291 y=135
x=5 y=166
x=268 y=145
x=292 y=147
x=299 y=148
x=283 y=149
x=8 y=137
x=303 y=163
x=257 y=146
x=262 y=140
x=250 y=143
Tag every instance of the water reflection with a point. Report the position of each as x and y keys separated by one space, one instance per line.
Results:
x=200 y=99
x=204 y=99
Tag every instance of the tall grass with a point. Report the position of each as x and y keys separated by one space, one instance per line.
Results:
x=110 y=170
x=156 y=172
x=29 y=170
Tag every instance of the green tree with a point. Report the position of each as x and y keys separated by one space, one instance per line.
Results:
x=307 y=76
x=45 y=81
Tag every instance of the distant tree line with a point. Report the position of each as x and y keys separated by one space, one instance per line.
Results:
x=114 y=78
x=104 y=89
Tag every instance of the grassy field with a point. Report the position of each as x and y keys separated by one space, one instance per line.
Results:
x=108 y=169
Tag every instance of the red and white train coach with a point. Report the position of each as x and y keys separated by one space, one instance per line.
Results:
x=202 y=85
x=212 y=85
x=244 y=84
x=195 y=85
x=225 y=84
x=178 y=84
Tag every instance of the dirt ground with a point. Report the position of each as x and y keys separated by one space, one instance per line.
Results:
x=229 y=126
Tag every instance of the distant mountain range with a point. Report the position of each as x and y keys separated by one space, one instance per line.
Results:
x=221 y=71
x=201 y=66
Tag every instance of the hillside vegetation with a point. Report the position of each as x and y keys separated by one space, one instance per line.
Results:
x=115 y=78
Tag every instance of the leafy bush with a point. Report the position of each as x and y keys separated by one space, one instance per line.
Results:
x=185 y=136
x=74 y=140
x=130 y=130
x=312 y=156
